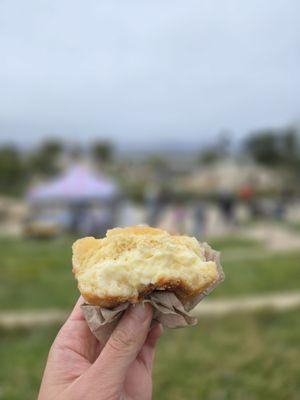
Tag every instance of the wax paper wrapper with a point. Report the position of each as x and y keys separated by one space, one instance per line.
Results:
x=167 y=308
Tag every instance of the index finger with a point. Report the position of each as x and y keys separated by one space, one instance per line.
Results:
x=76 y=313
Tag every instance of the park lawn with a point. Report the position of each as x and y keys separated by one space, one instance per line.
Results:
x=233 y=242
x=238 y=357
x=37 y=274
x=244 y=356
x=295 y=226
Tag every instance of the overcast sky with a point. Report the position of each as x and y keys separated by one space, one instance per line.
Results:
x=145 y=71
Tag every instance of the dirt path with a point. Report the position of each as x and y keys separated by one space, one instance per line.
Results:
x=278 y=302
x=275 y=237
x=31 y=318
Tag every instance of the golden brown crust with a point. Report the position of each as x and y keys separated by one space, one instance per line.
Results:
x=182 y=291
x=136 y=230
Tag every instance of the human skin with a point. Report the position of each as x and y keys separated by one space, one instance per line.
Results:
x=79 y=367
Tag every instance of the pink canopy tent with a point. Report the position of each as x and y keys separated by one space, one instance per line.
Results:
x=77 y=184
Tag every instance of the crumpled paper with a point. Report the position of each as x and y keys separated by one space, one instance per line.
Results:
x=167 y=308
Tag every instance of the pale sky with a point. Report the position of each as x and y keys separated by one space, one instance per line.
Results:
x=144 y=71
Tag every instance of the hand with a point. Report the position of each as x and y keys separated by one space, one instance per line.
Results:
x=79 y=367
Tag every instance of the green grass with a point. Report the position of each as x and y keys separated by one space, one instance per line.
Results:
x=241 y=357
x=234 y=243
x=23 y=356
x=37 y=274
x=295 y=226
x=260 y=273
x=238 y=357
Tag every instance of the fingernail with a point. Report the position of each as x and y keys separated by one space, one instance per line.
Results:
x=141 y=311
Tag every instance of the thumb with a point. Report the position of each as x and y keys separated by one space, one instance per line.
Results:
x=125 y=343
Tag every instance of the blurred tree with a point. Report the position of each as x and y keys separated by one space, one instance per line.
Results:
x=262 y=146
x=290 y=144
x=102 y=152
x=275 y=148
x=157 y=162
x=209 y=156
x=13 y=173
x=220 y=149
x=45 y=159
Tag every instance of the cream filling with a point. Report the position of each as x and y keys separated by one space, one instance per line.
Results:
x=135 y=269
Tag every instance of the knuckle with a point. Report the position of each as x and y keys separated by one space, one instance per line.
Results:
x=122 y=340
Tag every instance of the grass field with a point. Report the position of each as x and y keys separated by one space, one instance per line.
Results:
x=242 y=357
x=38 y=274
x=252 y=356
